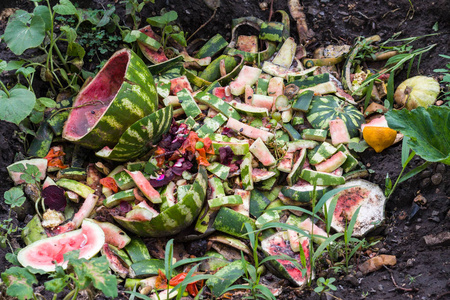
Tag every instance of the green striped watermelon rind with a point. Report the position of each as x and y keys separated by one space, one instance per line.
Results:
x=135 y=99
x=175 y=218
x=319 y=117
x=137 y=139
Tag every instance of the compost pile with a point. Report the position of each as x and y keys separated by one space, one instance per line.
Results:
x=228 y=168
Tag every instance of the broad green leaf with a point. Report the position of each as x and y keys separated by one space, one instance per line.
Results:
x=25 y=71
x=16 y=107
x=43 y=12
x=14 y=197
x=19 y=282
x=358 y=147
x=3 y=65
x=20 y=36
x=47 y=102
x=179 y=37
x=56 y=285
x=65 y=7
x=106 y=17
x=77 y=50
x=12 y=258
x=98 y=271
x=161 y=21
x=21 y=15
x=70 y=33
x=14 y=65
x=428 y=130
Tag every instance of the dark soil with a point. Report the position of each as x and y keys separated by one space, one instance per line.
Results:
x=422 y=272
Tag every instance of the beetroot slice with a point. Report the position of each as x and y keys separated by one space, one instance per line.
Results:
x=54 y=197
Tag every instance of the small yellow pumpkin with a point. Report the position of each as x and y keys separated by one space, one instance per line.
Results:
x=417 y=91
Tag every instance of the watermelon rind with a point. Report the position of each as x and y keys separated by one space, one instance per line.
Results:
x=323 y=109
x=284 y=267
x=132 y=97
x=89 y=240
x=175 y=218
x=139 y=137
x=369 y=196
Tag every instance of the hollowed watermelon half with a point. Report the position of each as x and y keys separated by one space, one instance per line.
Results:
x=279 y=244
x=323 y=109
x=121 y=93
x=175 y=218
x=359 y=193
x=42 y=253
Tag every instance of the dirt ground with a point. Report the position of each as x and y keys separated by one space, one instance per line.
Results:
x=422 y=272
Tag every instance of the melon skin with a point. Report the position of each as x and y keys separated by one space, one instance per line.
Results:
x=120 y=94
x=41 y=254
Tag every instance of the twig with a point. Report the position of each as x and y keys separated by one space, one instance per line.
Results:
x=442 y=295
x=214 y=13
x=397 y=286
x=271 y=10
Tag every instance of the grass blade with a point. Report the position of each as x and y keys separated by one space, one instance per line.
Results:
x=390 y=90
x=352 y=223
x=322 y=246
x=414 y=171
x=327 y=196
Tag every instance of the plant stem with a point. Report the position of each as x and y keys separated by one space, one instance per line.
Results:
x=5 y=89
x=63 y=60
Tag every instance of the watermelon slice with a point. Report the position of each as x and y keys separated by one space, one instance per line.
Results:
x=155 y=56
x=42 y=253
x=121 y=93
x=360 y=193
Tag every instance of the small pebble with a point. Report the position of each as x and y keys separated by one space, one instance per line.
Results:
x=439 y=102
x=435 y=219
x=435 y=213
x=380 y=287
x=418 y=227
x=410 y=262
x=359 y=274
x=436 y=179
x=426 y=174
x=352 y=280
x=425 y=182
x=440 y=168
x=383 y=251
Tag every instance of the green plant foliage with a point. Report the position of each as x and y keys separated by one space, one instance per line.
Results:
x=24 y=31
x=14 y=197
x=16 y=106
x=19 y=282
x=428 y=130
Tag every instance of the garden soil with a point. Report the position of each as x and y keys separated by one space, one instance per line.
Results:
x=422 y=271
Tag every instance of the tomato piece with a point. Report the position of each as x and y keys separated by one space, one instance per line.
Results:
x=110 y=183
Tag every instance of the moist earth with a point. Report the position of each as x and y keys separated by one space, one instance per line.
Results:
x=422 y=272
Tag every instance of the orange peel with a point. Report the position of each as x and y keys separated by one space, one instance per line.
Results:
x=379 y=138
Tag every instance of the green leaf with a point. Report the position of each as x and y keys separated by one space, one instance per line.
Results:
x=75 y=49
x=435 y=26
x=14 y=65
x=43 y=12
x=358 y=147
x=20 y=36
x=25 y=71
x=65 y=7
x=414 y=172
x=47 y=102
x=56 y=285
x=19 y=282
x=98 y=271
x=70 y=33
x=106 y=17
x=16 y=107
x=179 y=37
x=405 y=151
x=14 y=197
x=3 y=65
x=12 y=258
x=428 y=130
x=163 y=20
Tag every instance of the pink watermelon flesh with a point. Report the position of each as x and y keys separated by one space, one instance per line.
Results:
x=248 y=95
x=248 y=130
x=222 y=94
x=339 y=132
x=332 y=163
x=379 y=122
x=41 y=254
x=319 y=234
x=279 y=246
x=155 y=57
x=41 y=163
x=348 y=202
x=178 y=84
x=114 y=262
x=92 y=102
x=144 y=185
x=264 y=102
